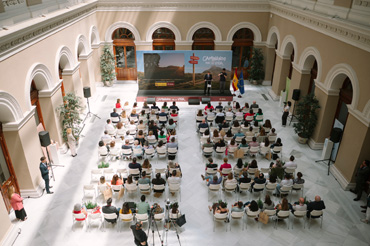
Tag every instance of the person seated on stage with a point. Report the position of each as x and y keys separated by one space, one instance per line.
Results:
x=77 y=209
x=237 y=207
x=299 y=179
x=228 y=106
x=174 y=107
x=208 y=106
x=158 y=180
x=174 y=114
x=109 y=126
x=164 y=106
x=220 y=143
x=142 y=207
x=115 y=114
x=155 y=107
x=219 y=107
x=258 y=113
x=144 y=179
x=171 y=125
x=318 y=204
x=204 y=124
x=163 y=114
x=103 y=148
x=290 y=163
x=250 y=113
x=109 y=209
x=254 y=105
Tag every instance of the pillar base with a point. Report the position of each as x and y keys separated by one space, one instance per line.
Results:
x=266 y=82
x=314 y=145
x=11 y=235
x=340 y=178
x=34 y=192
x=273 y=95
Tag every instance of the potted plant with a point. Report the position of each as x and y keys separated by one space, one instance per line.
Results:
x=256 y=73
x=107 y=66
x=69 y=113
x=91 y=206
x=306 y=115
x=103 y=165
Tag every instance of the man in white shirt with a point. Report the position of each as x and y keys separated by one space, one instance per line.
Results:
x=109 y=125
x=173 y=179
x=290 y=163
x=287 y=181
x=229 y=113
x=106 y=138
x=301 y=206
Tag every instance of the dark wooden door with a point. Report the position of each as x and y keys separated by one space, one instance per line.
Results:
x=125 y=56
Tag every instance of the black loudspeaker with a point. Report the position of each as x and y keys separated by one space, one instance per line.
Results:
x=150 y=100
x=206 y=100
x=296 y=93
x=336 y=134
x=87 y=92
x=44 y=138
x=194 y=101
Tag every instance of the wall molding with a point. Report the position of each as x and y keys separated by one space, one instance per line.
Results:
x=50 y=93
x=16 y=126
x=86 y=56
x=273 y=95
x=341 y=179
x=315 y=145
x=69 y=72
x=34 y=192
x=11 y=235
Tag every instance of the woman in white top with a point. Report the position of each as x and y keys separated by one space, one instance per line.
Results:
x=121 y=131
x=138 y=150
x=286 y=113
x=124 y=119
x=141 y=126
x=230 y=180
x=132 y=127
x=71 y=142
x=150 y=136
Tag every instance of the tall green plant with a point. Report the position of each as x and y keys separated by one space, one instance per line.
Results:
x=107 y=66
x=306 y=116
x=69 y=113
x=256 y=71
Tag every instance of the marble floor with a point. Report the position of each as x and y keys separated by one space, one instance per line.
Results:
x=50 y=220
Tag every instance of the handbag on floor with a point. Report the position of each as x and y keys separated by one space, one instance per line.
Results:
x=263 y=217
x=107 y=193
x=181 y=220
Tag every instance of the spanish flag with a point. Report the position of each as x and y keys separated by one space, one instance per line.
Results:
x=235 y=81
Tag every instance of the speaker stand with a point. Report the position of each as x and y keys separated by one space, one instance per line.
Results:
x=329 y=160
x=89 y=113
x=293 y=116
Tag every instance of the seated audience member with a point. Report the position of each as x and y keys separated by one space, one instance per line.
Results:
x=157 y=209
x=142 y=207
x=158 y=180
x=200 y=113
x=174 y=179
x=237 y=207
x=125 y=209
x=272 y=132
x=266 y=143
x=163 y=114
x=243 y=144
x=109 y=209
x=130 y=181
x=251 y=206
x=258 y=180
x=261 y=135
x=126 y=107
x=146 y=164
x=228 y=106
x=239 y=113
x=286 y=182
x=208 y=144
x=203 y=125
x=132 y=126
x=127 y=145
x=145 y=106
x=102 y=182
x=124 y=118
x=230 y=180
x=283 y=206
x=211 y=164
x=109 y=126
x=118 y=104
x=224 y=125
x=173 y=165
x=116 y=180
x=220 y=117
x=208 y=106
x=229 y=113
x=268 y=204
x=246 y=106
x=206 y=134
x=174 y=107
x=161 y=147
x=290 y=163
x=151 y=136
x=155 y=107
x=254 y=105
x=250 y=113
x=300 y=205
x=174 y=114
x=299 y=179
x=134 y=164
x=120 y=129
x=236 y=106
x=164 y=106
x=277 y=143
x=140 y=137
x=129 y=137
x=171 y=134
x=212 y=179
x=228 y=135
x=78 y=209
x=219 y=208
x=267 y=125
x=162 y=136
x=219 y=107
x=134 y=116
x=277 y=170
x=220 y=144
x=238 y=168
x=318 y=204
x=239 y=134
x=137 y=146
x=211 y=114
x=244 y=178
x=144 y=179
x=258 y=113
x=272 y=179
x=172 y=143
x=232 y=146
x=154 y=128
x=103 y=148
x=252 y=164
x=115 y=114
x=225 y=165
x=106 y=137
x=141 y=126
x=250 y=132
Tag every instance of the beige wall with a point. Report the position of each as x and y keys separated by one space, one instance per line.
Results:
x=5 y=224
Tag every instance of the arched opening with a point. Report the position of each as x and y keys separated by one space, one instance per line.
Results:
x=125 y=54
x=242 y=50
x=313 y=73
x=34 y=95
x=203 y=39
x=291 y=65
x=163 y=39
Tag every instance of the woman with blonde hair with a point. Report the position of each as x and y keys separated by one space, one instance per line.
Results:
x=16 y=201
x=124 y=117
x=71 y=141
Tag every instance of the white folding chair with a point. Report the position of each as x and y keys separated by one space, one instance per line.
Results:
x=149 y=153
x=135 y=172
x=264 y=150
x=162 y=171
x=142 y=218
x=174 y=188
x=290 y=170
x=78 y=218
x=277 y=150
x=230 y=188
x=272 y=139
x=259 y=118
x=172 y=152
x=298 y=187
x=108 y=217
x=220 y=151
x=89 y=191
x=114 y=120
x=126 y=153
x=249 y=118
x=125 y=218
x=281 y=215
x=159 y=217
x=144 y=188
x=237 y=216
x=208 y=151
x=259 y=188
x=157 y=188
x=108 y=173
x=285 y=190
x=131 y=189
x=244 y=187
x=96 y=174
x=270 y=187
x=220 y=218
x=252 y=171
x=199 y=119
x=315 y=214
x=253 y=150
x=92 y=218
x=300 y=215
x=252 y=215
x=226 y=171
x=161 y=152
x=148 y=172
x=216 y=188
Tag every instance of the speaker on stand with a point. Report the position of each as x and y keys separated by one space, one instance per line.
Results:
x=335 y=137
x=45 y=142
x=87 y=94
x=295 y=97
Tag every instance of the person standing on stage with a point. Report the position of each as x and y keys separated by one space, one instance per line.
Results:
x=45 y=174
x=286 y=113
x=222 y=76
x=207 y=83
x=139 y=235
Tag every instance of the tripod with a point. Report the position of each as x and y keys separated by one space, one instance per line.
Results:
x=151 y=225
x=170 y=221
x=89 y=113
x=293 y=116
x=329 y=160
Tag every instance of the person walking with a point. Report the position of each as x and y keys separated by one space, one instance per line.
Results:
x=45 y=174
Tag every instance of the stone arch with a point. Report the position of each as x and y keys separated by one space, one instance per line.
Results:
x=256 y=31
x=289 y=43
x=273 y=36
x=308 y=57
x=9 y=108
x=82 y=46
x=43 y=80
x=94 y=36
x=204 y=24
x=336 y=76
x=164 y=24
x=65 y=58
x=121 y=24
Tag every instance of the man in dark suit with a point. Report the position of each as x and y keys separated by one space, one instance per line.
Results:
x=115 y=114
x=45 y=174
x=109 y=209
x=139 y=235
x=163 y=114
x=361 y=178
x=207 y=82
x=315 y=205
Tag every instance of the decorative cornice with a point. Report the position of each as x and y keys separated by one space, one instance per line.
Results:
x=16 y=126
x=329 y=92
x=50 y=93
x=223 y=43
x=85 y=57
x=300 y=69
x=353 y=34
x=358 y=115
x=340 y=178
x=71 y=71
x=96 y=46
x=282 y=56
x=13 y=42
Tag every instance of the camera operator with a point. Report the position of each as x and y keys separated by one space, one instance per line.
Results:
x=139 y=234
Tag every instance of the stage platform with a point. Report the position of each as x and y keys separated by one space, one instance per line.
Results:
x=182 y=95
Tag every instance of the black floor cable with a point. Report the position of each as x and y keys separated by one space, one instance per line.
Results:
x=19 y=232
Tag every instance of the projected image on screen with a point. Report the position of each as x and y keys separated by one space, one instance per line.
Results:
x=164 y=66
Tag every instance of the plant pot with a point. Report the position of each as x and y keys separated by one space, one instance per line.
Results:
x=302 y=140
x=254 y=82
